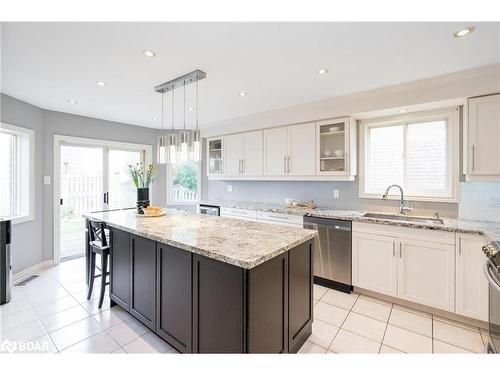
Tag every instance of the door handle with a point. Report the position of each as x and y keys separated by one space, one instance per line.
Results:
x=106 y=197
x=473 y=158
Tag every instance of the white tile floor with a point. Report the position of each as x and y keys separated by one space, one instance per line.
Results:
x=51 y=314
x=353 y=323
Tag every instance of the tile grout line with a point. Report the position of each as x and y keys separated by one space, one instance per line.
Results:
x=386 y=326
x=349 y=312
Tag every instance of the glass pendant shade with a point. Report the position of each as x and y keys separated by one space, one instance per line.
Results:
x=171 y=145
x=161 y=157
x=196 y=145
x=184 y=145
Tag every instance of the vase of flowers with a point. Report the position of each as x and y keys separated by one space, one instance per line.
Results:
x=142 y=178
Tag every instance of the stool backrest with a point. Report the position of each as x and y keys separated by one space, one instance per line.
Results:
x=96 y=231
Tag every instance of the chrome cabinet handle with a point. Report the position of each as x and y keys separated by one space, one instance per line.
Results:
x=459 y=245
x=393 y=249
x=400 y=250
x=288 y=164
x=473 y=158
x=284 y=164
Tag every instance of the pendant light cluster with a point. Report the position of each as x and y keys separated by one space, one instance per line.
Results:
x=179 y=144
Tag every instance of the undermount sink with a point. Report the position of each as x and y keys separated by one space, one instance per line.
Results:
x=421 y=220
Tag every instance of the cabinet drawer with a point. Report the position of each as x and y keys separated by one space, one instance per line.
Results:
x=283 y=223
x=405 y=232
x=272 y=216
x=231 y=212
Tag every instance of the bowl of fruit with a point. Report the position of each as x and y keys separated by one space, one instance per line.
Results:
x=152 y=211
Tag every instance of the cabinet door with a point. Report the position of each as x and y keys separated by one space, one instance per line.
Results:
x=233 y=154
x=472 y=286
x=275 y=151
x=174 y=303
x=143 y=280
x=215 y=156
x=484 y=133
x=120 y=268
x=218 y=307
x=374 y=264
x=426 y=273
x=302 y=145
x=252 y=159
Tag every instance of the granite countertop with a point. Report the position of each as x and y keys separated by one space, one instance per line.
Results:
x=241 y=243
x=487 y=228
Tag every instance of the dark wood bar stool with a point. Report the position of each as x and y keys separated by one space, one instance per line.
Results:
x=98 y=244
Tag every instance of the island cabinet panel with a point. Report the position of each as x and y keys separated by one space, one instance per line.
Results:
x=268 y=307
x=300 y=298
x=120 y=268
x=174 y=307
x=143 y=280
x=218 y=307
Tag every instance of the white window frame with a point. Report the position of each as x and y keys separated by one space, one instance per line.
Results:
x=169 y=198
x=24 y=173
x=451 y=116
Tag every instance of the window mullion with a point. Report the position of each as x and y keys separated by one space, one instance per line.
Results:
x=405 y=159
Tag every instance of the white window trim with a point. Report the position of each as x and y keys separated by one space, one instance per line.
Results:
x=25 y=183
x=169 y=199
x=451 y=115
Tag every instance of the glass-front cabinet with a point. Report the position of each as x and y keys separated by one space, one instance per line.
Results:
x=336 y=147
x=215 y=156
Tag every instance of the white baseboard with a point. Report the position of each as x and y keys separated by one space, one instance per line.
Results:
x=20 y=276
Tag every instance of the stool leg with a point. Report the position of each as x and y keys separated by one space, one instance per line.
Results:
x=91 y=274
x=104 y=269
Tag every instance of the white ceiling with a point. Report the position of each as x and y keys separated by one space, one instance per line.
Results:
x=47 y=64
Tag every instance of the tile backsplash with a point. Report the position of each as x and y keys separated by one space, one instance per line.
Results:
x=479 y=201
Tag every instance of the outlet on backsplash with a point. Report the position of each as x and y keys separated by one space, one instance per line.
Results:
x=336 y=194
x=229 y=188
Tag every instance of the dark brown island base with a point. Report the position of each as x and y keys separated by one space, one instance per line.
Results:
x=176 y=276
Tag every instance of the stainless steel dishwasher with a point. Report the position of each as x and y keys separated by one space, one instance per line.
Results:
x=332 y=257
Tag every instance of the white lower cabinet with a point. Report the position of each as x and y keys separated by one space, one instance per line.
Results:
x=295 y=221
x=239 y=213
x=426 y=273
x=472 y=286
x=374 y=264
x=416 y=265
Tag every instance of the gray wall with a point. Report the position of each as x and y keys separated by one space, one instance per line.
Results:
x=58 y=123
x=27 y=237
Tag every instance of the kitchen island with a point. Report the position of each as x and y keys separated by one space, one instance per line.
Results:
x=208 y=284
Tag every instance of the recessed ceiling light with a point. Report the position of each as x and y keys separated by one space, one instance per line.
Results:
x=71 y=101
x=149 y=53
x=243 y=93
x=100 y=83
x=464 y=32
x=190 y=109
x=404 y=110
x=155 y=119
x=322 y=71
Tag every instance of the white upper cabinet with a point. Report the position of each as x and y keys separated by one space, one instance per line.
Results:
x=472 y=286
x=336 y=147
x=243 y=154
x=252 y=153
x=275 y=151
x=215 y=157
x=285 y=153
x=483 y=136
x=233 y=154
x=301 y=146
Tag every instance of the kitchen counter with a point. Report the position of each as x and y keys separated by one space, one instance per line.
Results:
x=236 y=242
x=208 y=284
x=489 y=229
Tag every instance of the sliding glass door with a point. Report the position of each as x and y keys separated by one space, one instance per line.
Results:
x=92 y=178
